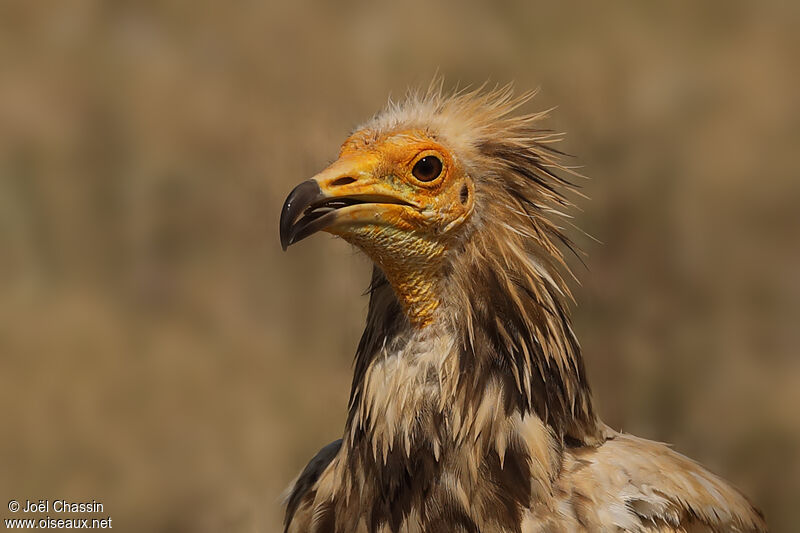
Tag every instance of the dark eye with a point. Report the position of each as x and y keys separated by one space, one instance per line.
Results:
x=427 y=169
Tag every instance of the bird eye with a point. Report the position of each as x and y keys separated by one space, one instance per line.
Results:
x=427 y=169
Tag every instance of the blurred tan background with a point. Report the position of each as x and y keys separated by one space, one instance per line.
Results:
x=160 y=354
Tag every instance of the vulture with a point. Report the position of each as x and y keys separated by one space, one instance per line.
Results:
x=469 y=409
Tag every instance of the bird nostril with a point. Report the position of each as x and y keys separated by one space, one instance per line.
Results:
x=346 y=180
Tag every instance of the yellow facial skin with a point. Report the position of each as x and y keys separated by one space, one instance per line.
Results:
x=408 y=224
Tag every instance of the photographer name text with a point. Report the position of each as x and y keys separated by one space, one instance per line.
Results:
x=61 y=506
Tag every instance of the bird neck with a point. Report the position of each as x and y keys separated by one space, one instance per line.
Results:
x=416 y=291
x=426 y=407
x=411 y=264
x=485 y=328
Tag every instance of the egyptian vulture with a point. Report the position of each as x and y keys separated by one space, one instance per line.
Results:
x=470 y=409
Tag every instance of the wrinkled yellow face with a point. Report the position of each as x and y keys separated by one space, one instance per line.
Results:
x=400 y=198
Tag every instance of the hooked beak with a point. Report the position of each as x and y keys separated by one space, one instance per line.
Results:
x=344 y=193
x=302 y=198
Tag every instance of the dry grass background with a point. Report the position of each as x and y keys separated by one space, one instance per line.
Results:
x=160 y=354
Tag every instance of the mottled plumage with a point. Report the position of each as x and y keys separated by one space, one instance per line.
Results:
x=469 y=408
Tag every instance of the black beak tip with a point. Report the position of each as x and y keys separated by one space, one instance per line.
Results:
x=296 y=203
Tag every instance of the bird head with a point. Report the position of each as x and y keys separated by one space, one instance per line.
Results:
x=400 y=198
x=411 y=186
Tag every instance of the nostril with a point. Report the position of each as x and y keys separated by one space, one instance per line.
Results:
x=345 y=180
